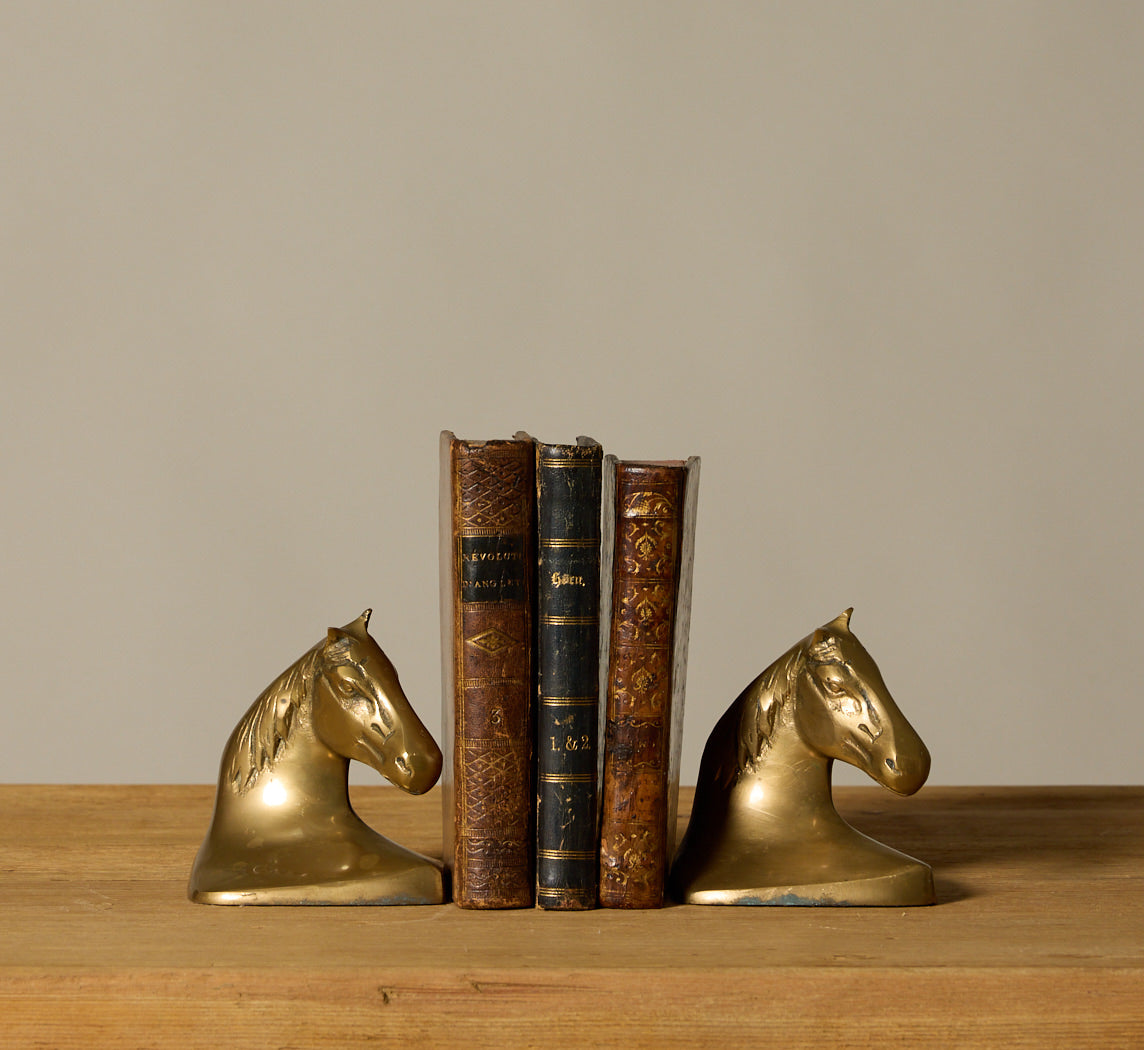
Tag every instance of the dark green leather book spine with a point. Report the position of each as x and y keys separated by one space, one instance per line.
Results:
x=568 y=655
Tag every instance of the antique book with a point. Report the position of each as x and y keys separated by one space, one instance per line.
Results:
x=568 y=676
x=488 y=569
x=651 y=520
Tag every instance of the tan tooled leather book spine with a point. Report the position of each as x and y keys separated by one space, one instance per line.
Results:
x=645 y=583
x=492 y=572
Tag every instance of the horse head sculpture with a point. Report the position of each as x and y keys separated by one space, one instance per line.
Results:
x=763 y=827
x=283 y=830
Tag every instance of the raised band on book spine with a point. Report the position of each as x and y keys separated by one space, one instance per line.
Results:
x=568 y=597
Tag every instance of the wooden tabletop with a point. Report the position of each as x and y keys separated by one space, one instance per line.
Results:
x=1037 y=940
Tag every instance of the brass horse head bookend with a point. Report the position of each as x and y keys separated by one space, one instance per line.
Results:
x=763 y=826
x=283 y=830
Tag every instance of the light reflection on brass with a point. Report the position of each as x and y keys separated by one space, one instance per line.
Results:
x=283 y=830
x=763 y=826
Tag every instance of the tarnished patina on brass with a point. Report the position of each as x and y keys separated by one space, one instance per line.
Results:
x=763 y=826
x=283 y=830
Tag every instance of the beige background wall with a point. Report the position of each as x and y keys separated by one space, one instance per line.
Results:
x=879 y=264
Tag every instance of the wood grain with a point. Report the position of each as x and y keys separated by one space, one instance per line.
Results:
x=1037 y=940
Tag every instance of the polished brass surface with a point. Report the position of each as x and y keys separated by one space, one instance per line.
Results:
x=283 y=830
x=763 y=826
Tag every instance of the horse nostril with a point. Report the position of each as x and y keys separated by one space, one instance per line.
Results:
x=890 y=765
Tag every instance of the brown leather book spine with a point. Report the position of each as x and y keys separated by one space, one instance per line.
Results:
x=492 y=551
x=637 y=746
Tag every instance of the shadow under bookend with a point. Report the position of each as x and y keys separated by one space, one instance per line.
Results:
x=283 y=830
x=763 y=827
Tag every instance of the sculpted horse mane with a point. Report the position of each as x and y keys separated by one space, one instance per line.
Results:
x=771 y=690
x=283 y=830
x=763 y=826
x=262 y=735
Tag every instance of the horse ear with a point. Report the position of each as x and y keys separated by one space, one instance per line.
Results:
x=842 y=620
x=823 y=643
x=355 y=629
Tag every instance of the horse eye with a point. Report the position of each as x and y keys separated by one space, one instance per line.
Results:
x=834 y=686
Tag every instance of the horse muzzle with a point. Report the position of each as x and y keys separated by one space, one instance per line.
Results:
x=906 y=770
x=415 y=771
